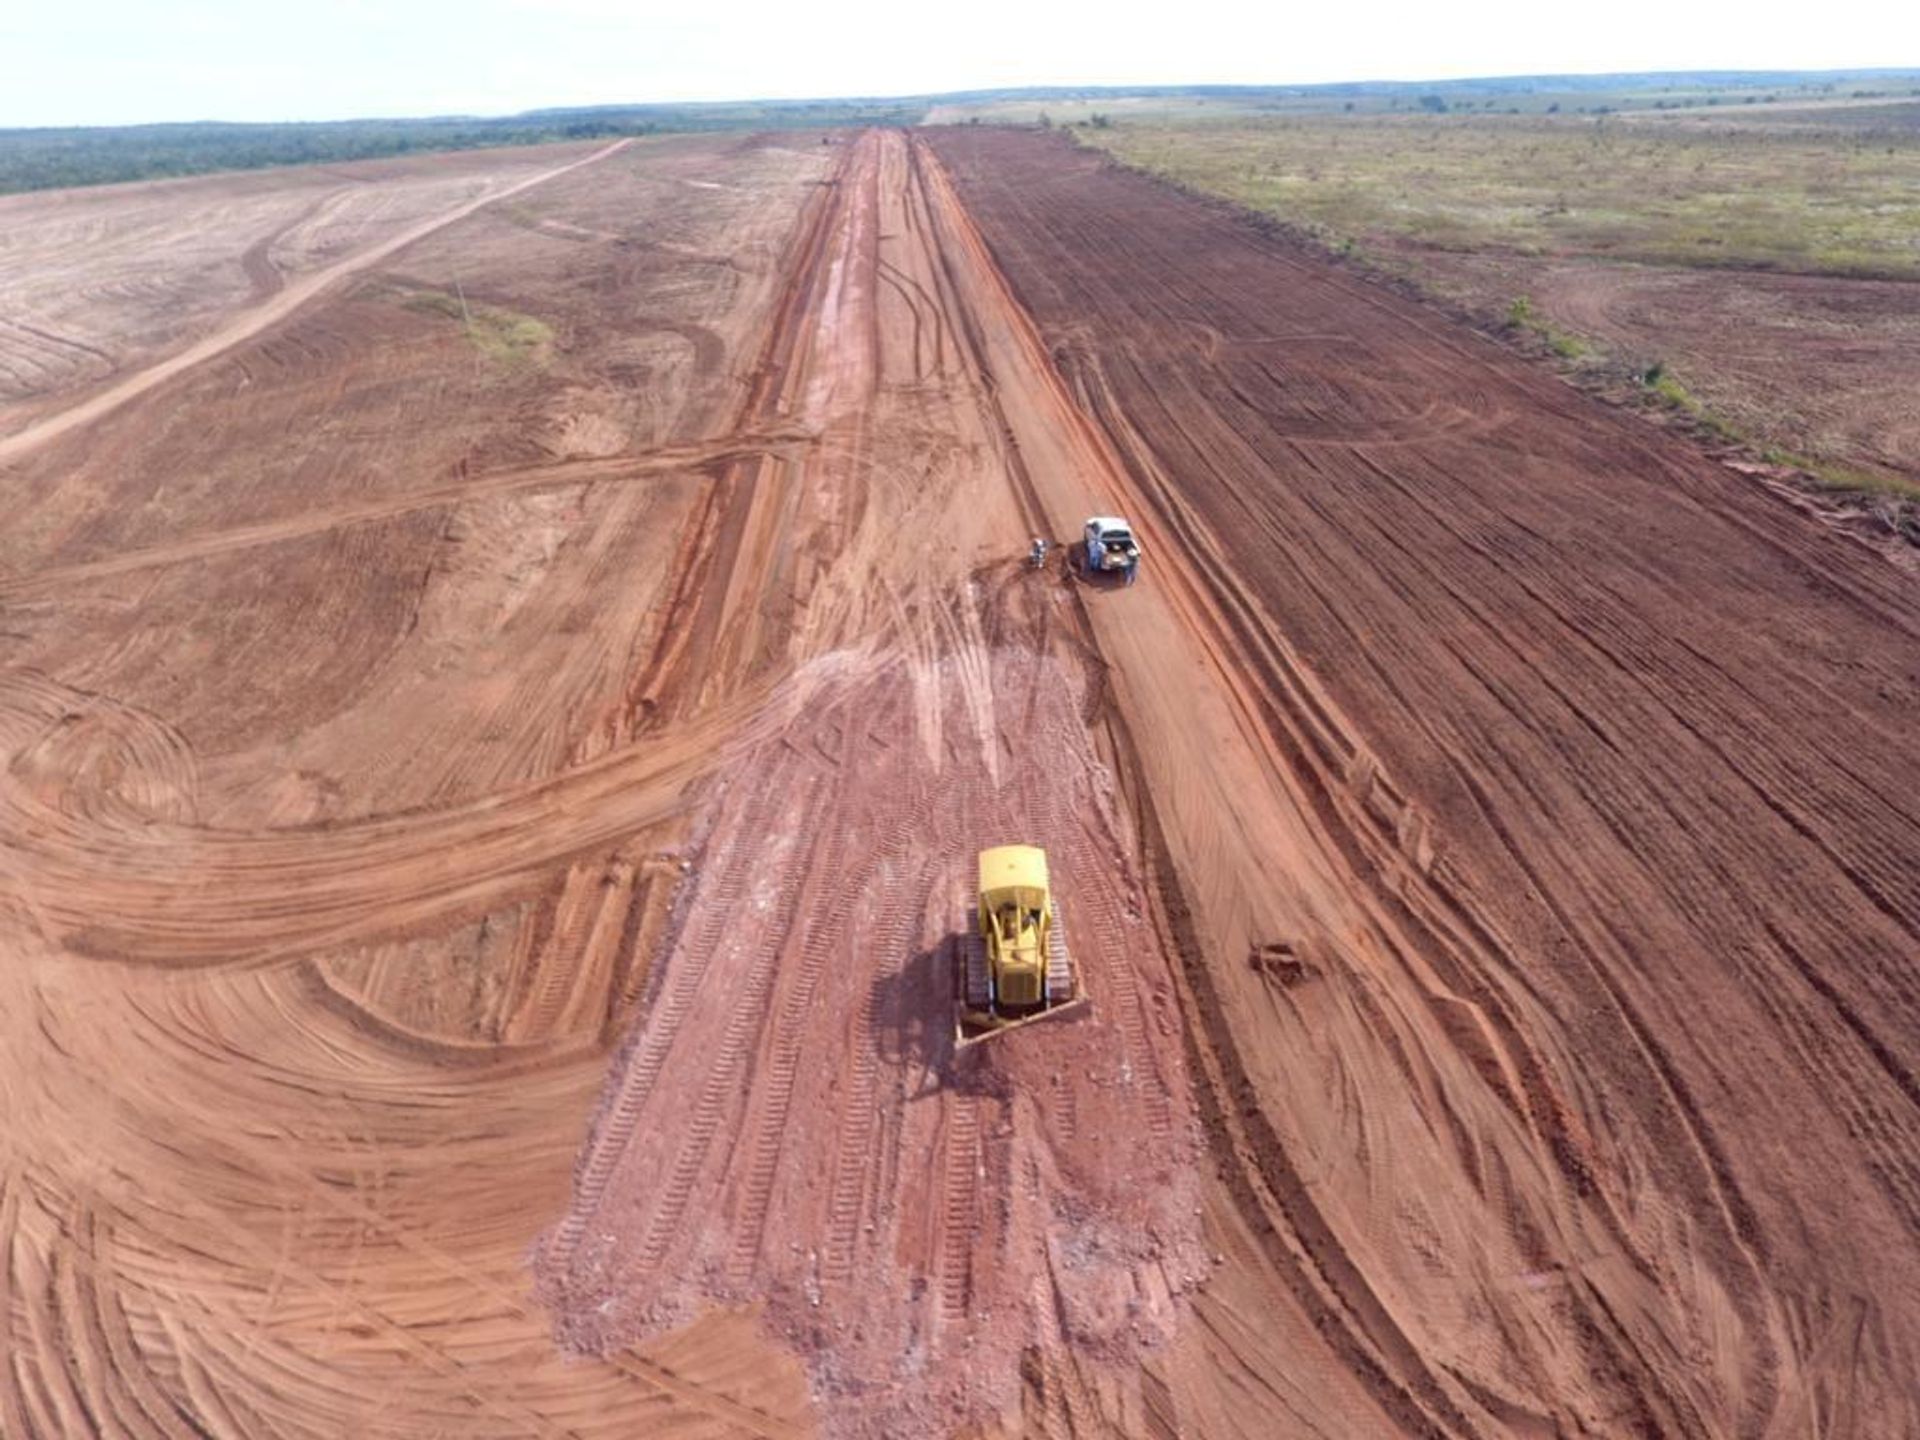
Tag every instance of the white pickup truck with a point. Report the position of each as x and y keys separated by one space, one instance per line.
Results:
x=1111 y=547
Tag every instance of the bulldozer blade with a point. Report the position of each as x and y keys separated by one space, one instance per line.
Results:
x=996 y=1027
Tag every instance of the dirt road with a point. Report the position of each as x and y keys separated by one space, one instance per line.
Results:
x=789 y=1123
x=493 y=741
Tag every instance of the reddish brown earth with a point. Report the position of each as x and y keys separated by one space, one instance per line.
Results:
x=496 y=716
x=791 y=1124
x=95 y=281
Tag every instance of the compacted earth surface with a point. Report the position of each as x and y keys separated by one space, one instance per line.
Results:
x=506 y=662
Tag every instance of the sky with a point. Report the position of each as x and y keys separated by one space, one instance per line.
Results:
x=110 y=62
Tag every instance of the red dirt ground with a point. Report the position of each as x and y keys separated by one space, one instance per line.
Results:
x=331 y=868
x=494 y=728
x=791 y=1124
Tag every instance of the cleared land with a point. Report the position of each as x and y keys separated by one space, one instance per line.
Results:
x=492 y=748
x=95 y=282
x=1826 y=370
x=295 y=1072
x=408 y=693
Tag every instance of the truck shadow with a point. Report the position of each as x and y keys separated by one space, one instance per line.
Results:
x=1078 y=567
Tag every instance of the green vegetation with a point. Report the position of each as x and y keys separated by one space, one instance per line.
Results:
x=504 y=336
x=1847 y=479
x=1659 y=188
x=1724 y=92
x=1665 y=388
x=51 y=158
x=1522 y=318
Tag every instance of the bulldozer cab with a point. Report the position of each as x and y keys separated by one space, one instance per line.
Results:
x=1015 y=916
x=1018 y=918
x=1014 y=921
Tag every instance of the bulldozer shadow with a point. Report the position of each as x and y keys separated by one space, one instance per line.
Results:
x=915 y=1010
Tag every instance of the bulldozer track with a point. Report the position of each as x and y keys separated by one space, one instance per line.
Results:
x=727 y=1067
x=977 y=985
x=1060 y=986
x=853 y=1143
x=855 y=1162
x=962 y=1167
x=584 y=899
x=615 y=1130
x=819 y=938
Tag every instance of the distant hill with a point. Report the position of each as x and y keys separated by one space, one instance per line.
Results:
x=43 y=159
x=38 y=159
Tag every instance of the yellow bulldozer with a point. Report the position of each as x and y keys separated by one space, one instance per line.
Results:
x=1014 y=968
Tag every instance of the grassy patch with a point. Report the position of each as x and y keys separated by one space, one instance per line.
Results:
x=1665 y=388
x=504 y=336
x=1846 y=478
x=1721 y=96
x=1653 y=187
x=1522 y=317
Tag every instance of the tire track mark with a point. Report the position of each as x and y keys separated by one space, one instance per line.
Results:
x=43 y=432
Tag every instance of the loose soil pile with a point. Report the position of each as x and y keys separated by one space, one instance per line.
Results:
x=791 y=1123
